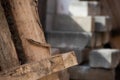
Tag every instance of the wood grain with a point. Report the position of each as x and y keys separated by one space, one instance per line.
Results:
x=37 y=70
x=8 y=55
x=29 y=27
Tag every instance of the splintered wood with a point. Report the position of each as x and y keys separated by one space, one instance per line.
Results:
x=29 y=28
x=34 y=71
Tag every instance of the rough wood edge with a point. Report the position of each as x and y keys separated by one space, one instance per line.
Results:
x=37 y=70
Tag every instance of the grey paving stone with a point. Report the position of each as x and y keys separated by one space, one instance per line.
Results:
x=102 y=23
x=104 y=58
x=84 y=8
x=70 y=40
x=85 y=72
x=73 y=24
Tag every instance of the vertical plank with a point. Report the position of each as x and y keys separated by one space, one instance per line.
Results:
x=30 y=30
x=8 y=55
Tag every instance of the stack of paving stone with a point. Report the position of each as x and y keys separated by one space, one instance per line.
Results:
x=102 y=65
x=82 y=27
x=76 y=25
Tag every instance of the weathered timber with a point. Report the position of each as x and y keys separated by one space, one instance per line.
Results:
x=61 y=75
x=115 y=42
x=37 y=70
x=112 y=8
x=30 y=30
x=33 y=41
x=8 y=55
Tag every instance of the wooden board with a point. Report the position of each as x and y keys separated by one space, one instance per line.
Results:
x=112 y=8
x=30 y=30
x=37 y=70
x=8 y=55
x=115 y=42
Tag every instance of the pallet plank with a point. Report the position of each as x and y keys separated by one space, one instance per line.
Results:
x=8 y=54
x=37 y=70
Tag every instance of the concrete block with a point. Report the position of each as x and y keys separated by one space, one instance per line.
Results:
x=76 y=24
x=82 y=24
x=55 y=51
x=81 y=55
x=69 y=40
x=84 y=8
x=98 y=39
x=63 y=6
x=85 y=72
x=73 y=7
x=104 y=58
x=49 y=22
x=102 y=23
x=64 y=75
x=51 y=7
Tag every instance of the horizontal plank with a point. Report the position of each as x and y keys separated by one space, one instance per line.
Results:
x=37 y=70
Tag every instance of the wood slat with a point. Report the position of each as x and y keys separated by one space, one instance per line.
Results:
x=37 y=70
x=8 y=55
x=25 y=14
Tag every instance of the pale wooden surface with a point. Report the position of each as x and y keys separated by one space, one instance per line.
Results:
x=37 y=70
x=29 y=28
